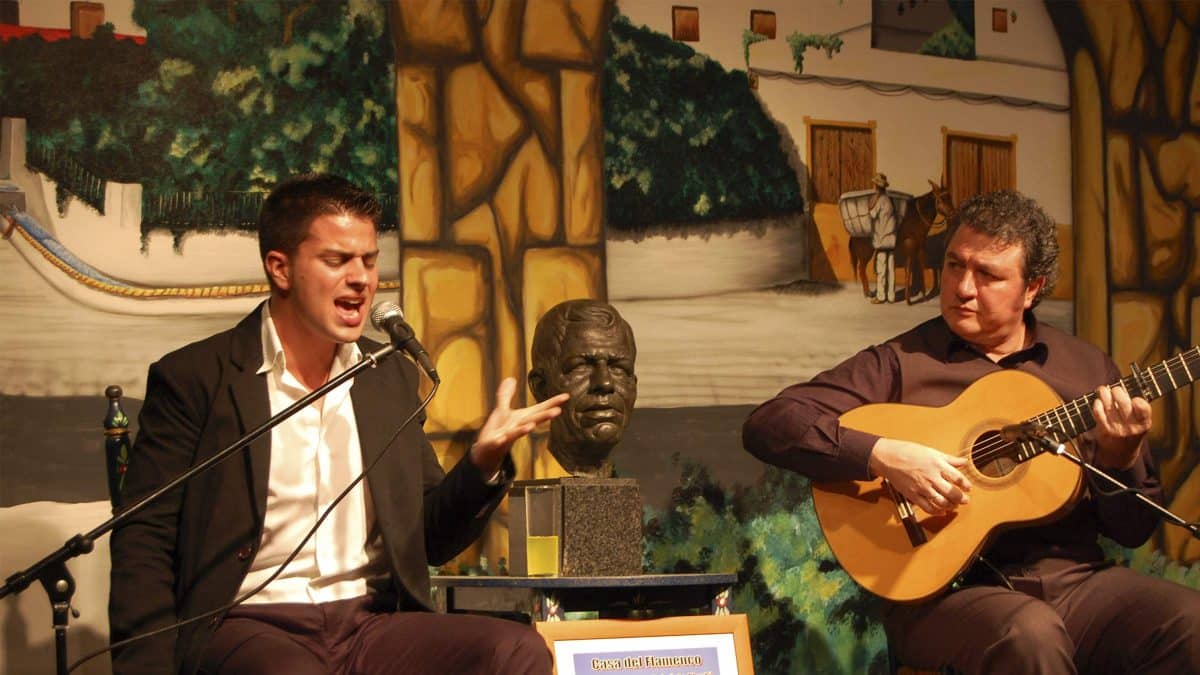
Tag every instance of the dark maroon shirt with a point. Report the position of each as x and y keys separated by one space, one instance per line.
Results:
x=930 y=365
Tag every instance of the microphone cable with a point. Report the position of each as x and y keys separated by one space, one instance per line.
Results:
x=295 y=552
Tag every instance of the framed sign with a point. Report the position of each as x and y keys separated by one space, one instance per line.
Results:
x=697 y=645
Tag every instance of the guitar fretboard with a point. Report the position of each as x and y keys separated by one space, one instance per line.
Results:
x=1075 y=417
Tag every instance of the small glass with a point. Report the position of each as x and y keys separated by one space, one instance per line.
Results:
x=542 y=529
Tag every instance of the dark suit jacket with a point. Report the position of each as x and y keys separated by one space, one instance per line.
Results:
x=188 y=552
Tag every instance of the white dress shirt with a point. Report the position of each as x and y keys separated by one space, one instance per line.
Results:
x=314 y=456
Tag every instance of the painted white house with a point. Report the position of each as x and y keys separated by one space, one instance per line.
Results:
x=1016 y=86
x=1000 y=120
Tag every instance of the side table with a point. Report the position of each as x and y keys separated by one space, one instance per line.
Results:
x=643 y=596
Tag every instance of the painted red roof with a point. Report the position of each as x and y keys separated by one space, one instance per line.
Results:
x=10 y=32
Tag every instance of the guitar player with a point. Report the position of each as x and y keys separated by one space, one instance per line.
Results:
x=1042 y=599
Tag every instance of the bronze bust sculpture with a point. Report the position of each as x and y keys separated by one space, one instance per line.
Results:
x=585 y=348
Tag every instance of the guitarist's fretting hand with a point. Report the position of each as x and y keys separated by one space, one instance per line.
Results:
x=926 y=477
x=1121 y=423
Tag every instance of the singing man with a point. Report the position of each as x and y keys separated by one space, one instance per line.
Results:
x=356 y=597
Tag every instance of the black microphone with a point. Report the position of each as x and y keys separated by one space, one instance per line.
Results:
x=1023 y=432
x=387 y=317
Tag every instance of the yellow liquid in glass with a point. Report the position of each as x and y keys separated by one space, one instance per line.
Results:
x=542 y=553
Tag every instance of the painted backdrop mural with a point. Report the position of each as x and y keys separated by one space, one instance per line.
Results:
x=701 y=167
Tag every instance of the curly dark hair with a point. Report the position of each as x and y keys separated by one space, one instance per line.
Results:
x=1013 y=218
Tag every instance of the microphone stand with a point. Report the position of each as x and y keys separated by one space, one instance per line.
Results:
x=1060 y=449
x=52 y=572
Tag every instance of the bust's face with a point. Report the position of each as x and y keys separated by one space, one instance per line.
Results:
x=595 y=367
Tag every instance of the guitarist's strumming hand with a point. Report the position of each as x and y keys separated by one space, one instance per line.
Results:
x=926 y=477
x=1121 y=423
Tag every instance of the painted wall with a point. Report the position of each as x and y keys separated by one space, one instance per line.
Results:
x=996 y=71
x=1025 y=64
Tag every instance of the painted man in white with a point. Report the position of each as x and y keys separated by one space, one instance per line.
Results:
x=883 y=239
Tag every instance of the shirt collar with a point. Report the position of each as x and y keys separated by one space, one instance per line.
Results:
x=347 y=353
x=1037 y=351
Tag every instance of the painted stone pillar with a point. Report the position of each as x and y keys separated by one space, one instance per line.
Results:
x=501 y=196
x=1135 y=121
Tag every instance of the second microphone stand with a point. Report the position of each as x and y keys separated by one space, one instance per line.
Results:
x=1060 y=449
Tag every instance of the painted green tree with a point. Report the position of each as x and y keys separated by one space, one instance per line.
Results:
x=82 y=111
x=806 y=615
x=686 y=141
x=247 y=93
x=223 y=98
x=951 y=41
x=956 y=39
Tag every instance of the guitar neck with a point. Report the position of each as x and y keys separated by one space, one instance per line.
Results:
x=1075 y=417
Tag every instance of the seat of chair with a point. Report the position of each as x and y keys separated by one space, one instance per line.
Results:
x=31 y=532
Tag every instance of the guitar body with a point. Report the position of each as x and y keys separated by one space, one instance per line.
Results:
x=860 y=518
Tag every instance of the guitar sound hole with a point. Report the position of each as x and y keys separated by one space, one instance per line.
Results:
x=994 y=457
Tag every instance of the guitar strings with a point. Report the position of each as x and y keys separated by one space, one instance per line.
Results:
x=996 y=447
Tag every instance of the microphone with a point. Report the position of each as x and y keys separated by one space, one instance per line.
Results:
x=1023 y=432
x=387 y=317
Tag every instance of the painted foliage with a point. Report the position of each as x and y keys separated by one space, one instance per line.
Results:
x=216 y=103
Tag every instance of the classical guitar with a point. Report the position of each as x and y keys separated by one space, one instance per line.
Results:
x=902 y=553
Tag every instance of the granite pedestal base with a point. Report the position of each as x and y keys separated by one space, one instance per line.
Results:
x=600 y=525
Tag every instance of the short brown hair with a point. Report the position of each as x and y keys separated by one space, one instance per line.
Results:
x=291 y=207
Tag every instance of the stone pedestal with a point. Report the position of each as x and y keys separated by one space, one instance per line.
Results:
x=600 y=525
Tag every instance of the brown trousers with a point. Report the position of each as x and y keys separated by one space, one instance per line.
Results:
x=1069 y=619
x=348 y=637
